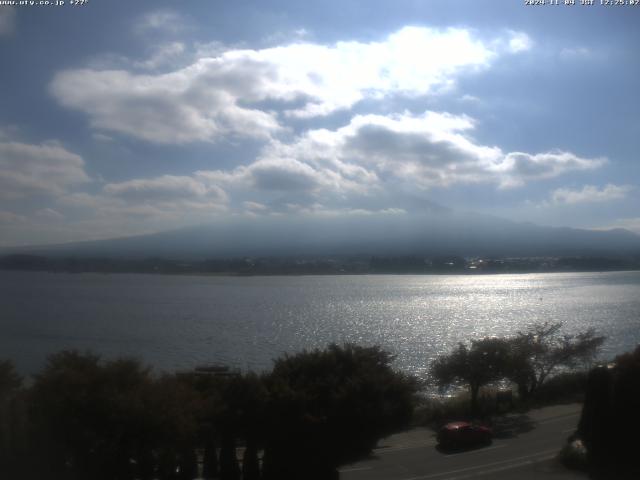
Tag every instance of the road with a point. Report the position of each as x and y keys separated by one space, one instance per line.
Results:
x=524 y=448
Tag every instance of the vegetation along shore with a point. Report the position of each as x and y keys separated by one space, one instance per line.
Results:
x=85 y=417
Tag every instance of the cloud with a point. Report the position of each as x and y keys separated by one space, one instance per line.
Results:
x=519 y=42
x=46 y=169
x=7 y=20
x=428 y=150
x=574 y=53
x=470 y=99
x=164 y=21
x=286 y=36
x=161 y=56
x=168 y=197
x=319 y=210
x=49 y=214
x=132 y=207
x=11 y=218
x=174 y=108
x=144 y=205
x=376 y=162
x=222 y=94
x=255 y=207
x=425 y=151
x=519 y=167
x=100 y=137
x=590 y=194
x=290 y=176
x=284 y=175
x=412 y=61
x=629 y=223
x=632 y=224
x=164 y=55
x=167 y=188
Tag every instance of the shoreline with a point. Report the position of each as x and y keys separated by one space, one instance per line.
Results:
x=317 y=274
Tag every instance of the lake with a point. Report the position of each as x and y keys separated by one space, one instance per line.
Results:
x=178 y=322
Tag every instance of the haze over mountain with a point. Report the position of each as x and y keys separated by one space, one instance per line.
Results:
x=430 y=234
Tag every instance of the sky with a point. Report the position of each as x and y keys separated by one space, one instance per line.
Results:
x=121 y=118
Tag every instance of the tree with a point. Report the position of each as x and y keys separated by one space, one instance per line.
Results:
x=232 y=409
x=10 y=381
x=106 y=420
x=610 y=418
x=243 y=415
x=171 y=424
x=328 y=407
x=60 y=403
x=12 y=420
x=541 y=350
x=527 y=359
x=485 y=361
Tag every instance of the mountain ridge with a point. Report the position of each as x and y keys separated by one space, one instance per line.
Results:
x=463 y=234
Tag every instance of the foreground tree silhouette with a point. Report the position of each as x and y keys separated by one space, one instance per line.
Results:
x=541 y=350
x=328 y=407
x=483 y=362
x=231 y=413
x=527 y=359
x=12 y=420
x=244 y=399
x=10 y=381
x=173 y=425
x=610 y=419
x=109 y=420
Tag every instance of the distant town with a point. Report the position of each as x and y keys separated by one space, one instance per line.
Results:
x=326 y=265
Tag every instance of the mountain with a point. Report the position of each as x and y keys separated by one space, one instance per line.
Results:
x=441 y=233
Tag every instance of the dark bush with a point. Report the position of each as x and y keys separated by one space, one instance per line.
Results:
x=331 y=406
x=564 y=387
x=84 y=417
x=610 y=419
x=12 y=419
x=108 y=420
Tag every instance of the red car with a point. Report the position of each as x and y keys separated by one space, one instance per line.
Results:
x=463 y=434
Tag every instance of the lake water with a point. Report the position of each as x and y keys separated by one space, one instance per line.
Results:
x=178 y=322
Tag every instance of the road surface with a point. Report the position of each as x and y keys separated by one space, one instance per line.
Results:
x=524 y=448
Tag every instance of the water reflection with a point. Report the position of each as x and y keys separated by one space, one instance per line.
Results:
x=180 y=321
